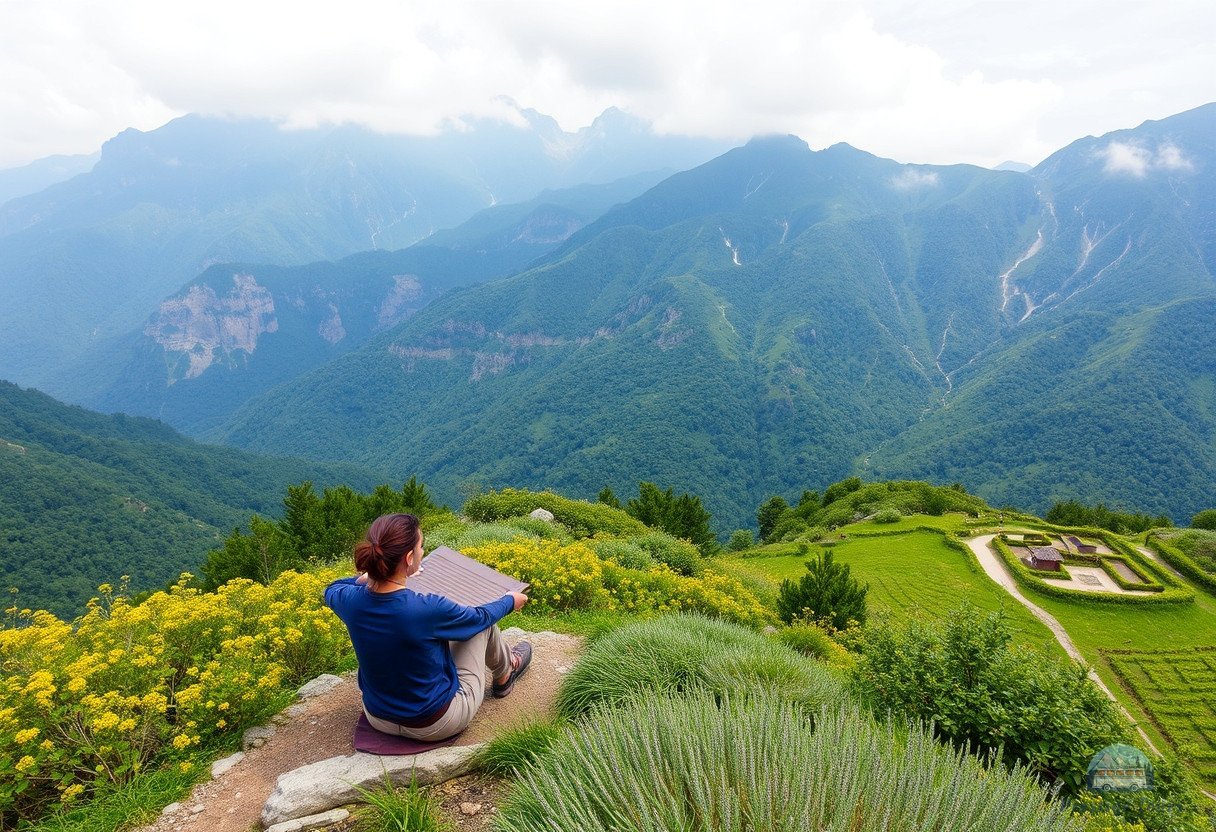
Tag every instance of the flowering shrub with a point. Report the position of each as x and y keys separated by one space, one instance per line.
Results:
x=135 y=685
x=573 y=576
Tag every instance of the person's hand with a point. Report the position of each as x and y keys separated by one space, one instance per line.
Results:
x=520 y=600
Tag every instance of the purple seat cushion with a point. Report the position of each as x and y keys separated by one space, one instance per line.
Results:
x=371 y=741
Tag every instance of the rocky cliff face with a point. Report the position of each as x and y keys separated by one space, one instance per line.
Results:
x=203 y=326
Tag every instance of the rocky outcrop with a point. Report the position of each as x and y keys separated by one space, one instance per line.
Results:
x=321 y=786
x=203 y=326
x=395 y=307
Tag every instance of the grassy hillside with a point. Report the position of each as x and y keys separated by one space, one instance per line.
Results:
x=88 y=498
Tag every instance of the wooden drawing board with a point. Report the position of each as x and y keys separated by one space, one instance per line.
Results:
x=447 y=572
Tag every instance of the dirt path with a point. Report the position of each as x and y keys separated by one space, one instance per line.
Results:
x=323 y=726
x=1155 y=558
x=996 y=569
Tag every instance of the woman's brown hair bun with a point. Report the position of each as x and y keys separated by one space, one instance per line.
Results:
x=388 y=540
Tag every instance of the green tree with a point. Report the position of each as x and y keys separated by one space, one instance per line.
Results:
x=827 y=594
x=1205 y=520
x=415 y=499
x=740 y=540
x=768 y=514
x=808 y=504
x=260 y=555
x=608 y=498
x=681 y=516
x=841 y=489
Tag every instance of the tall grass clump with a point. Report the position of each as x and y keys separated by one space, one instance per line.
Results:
x=678 y=653
x=390 y=809
x=514 y=748
x=756 y=764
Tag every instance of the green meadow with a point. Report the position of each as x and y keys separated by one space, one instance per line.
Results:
x=910 y=574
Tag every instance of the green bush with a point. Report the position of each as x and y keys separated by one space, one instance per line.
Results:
x=680 y=555
x=625 y=553
x=461 y=536
x=814 y=641
x=888 y=515
x=539 y=528
x=582 y=518
x=698 y=763
x=1205 y=519
x=686 y=652
x=1174 y=804
x=979 y=692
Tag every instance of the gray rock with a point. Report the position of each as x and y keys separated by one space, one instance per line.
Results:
x=256 y=737
x=321 y=786
x=311 y=821
x=197 y=809
x=171 y=808
x=322 y=684
x=220 y=767
x=542 y=514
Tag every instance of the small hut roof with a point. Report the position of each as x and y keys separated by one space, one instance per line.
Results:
x=1120 y=756
x=1045 y=553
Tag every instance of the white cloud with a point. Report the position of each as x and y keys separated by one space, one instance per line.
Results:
x=1170 y=157
x=912 y=179
x=898 y=78
x=1121 y=157
x=1137 y=160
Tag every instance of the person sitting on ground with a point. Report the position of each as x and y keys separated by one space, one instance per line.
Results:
x=424 y=660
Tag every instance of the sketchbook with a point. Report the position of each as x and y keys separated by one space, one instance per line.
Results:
x=461 y=579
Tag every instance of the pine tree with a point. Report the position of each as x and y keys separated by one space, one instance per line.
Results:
x=827 y=594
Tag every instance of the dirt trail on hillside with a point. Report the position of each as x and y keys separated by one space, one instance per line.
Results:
x=323 y=727
x=996 y=569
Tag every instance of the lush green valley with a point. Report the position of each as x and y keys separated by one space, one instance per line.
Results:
x=89 y=498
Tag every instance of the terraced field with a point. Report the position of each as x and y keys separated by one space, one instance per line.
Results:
x=1177 y=688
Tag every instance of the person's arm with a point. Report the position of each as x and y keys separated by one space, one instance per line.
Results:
x=335 y=591
x=456 y=622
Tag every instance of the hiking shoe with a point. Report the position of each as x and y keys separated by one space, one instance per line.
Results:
x=524 y=651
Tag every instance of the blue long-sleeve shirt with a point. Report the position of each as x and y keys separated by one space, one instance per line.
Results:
x=401 y=639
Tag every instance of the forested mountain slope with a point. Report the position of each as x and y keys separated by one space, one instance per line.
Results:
x=1103 y=386
x=744 y=328
x=88 y=498
x=778 y=318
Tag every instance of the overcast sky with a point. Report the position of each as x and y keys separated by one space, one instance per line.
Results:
x=917 y=80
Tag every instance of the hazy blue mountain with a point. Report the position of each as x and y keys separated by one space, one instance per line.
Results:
x=41 y=174
x=238 y=330
x=88 y=259
x=747 y=327
x=88 y=498
x=1017 y=167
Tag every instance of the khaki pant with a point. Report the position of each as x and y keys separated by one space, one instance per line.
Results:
x=484 y=657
